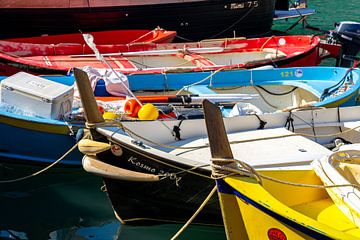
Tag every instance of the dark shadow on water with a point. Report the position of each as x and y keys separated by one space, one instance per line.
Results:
x=68 y=204
x=115 y=231
x=56 y=199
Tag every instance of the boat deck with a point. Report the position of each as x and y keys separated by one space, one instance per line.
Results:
x=257 y=148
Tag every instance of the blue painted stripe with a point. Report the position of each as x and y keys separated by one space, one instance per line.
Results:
x=227 y=189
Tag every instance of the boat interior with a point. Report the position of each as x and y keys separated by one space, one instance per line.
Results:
x=311 y=206
x=203 y=60
x=300 y=136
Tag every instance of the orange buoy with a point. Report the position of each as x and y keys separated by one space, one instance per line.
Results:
x=132 y=107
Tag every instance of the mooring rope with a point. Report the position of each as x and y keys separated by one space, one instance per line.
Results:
x=144 y=35
x=203 y=204
x=249 y=171
x=201 y=81
x=265 y=100
x=42 y=170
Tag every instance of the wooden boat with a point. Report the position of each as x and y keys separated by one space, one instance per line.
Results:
x=307 y=213
x=60 y=136
x=283 y=51
x=136 y=159
x=191 y=19
x=303 y=214
x=342 y=168
x=67 y=44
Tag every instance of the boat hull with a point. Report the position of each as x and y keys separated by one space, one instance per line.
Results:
x=35 y=143
x=171 y=199
x=237 y=53
x=191 y=19
x=307 y=213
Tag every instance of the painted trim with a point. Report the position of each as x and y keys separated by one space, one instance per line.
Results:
x=226 y=188
x=35 y=126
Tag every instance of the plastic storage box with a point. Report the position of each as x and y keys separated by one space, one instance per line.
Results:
x=36 y=95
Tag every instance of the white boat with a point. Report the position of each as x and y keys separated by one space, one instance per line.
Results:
x=342 y=168
x=180 y=167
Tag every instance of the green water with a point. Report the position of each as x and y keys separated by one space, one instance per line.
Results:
x=328 y=12
x=69 y=204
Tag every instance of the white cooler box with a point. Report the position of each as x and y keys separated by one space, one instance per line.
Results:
x=36 y=95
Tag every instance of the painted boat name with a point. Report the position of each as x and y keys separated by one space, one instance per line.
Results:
x=248 y=4
x=172 y=176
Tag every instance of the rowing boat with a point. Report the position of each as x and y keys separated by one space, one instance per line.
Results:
x=292 y=203
x=237 y=53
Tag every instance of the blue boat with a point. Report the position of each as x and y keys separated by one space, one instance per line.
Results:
x=31 y=139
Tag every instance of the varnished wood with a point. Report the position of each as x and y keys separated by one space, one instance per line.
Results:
x=220 y=148
x=92 y=113
x=219 y=143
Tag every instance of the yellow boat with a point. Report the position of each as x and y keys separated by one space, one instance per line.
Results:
x=285 y=203
x=277 y=211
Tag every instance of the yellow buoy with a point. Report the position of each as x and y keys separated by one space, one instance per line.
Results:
x=110 y=115
x=148 y=112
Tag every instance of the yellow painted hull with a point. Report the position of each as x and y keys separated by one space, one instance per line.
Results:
x=278 y=211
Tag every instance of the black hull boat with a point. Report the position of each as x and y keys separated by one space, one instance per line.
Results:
x=159 y=171
x=174 y=198
x=152 y=178
x=193 y=20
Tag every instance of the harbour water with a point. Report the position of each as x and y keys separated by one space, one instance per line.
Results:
x=69 y=204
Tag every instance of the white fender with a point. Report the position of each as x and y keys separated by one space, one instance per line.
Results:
x=92 y=165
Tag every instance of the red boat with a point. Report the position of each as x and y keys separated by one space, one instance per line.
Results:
x=66 y=44
x=280 y=51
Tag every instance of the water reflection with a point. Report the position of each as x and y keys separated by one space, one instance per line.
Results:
x=114 y=230
x=68 y=204
x=59 y=198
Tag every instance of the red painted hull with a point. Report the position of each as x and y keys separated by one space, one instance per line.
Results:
x=70 y=44
x=296 y=50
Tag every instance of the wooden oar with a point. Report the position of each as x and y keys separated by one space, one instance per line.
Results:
x=220 y=149
x=93 y=116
